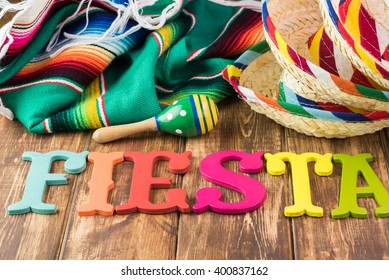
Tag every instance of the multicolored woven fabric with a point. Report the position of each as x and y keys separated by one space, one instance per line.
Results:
x=361 y=33
x=289 y=101
x=314 y=70
x=25 y=28
x=75 y=84
x=32 y=14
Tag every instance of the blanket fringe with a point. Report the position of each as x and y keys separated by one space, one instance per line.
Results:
x=19 y=9
x=132 y=10
x=116 y=31
x=255 y=5
x=5 y=111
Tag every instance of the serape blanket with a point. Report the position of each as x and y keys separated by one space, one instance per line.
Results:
x=75 y=65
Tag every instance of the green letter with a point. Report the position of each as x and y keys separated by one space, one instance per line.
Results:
x=349 y=192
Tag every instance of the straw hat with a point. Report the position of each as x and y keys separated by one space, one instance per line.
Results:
x=259 y=80
x=288 y=26
x=357 y=33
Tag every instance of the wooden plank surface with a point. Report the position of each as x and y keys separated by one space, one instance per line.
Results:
x=32 y=236
x=262 y=234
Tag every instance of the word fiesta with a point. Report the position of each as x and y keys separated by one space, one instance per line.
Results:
x=213 y=170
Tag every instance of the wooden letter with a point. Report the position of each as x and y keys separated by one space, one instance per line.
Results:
x=212 y=169
x=100 y=184
x=352 y=166
x=39 y=177
x=300 y=177
x=143 y=181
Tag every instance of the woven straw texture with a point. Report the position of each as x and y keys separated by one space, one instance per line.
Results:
x=294 y=23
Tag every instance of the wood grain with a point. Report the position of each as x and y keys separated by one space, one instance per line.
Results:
x=32 y=236
x=133 y=236
x=350 y=238
x=261 y=234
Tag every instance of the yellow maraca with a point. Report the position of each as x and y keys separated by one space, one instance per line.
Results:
x=190 y=116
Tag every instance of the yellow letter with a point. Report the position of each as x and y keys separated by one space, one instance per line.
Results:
x=300 y=177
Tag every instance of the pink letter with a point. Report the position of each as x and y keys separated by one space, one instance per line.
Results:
x=212 y=169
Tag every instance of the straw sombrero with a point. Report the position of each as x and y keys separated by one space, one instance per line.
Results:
x=259 y=80
x=289 y=26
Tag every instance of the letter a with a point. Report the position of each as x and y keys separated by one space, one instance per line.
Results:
x=39 y=177
x=212 y=169
x=300 y=178
x=352 y=166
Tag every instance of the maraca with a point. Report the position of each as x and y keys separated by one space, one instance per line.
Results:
x=189 y=116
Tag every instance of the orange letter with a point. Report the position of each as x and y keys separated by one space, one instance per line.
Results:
x=100 y=184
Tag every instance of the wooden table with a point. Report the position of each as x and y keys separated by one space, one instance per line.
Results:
x=262 y=234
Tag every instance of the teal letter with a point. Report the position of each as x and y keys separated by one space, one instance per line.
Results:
x=39 y=177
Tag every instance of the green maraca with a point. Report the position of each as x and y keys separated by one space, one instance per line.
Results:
x=190 y=116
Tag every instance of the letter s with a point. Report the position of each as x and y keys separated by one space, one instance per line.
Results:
x=212 y=169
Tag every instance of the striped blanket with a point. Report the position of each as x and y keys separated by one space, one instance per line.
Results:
x=75 y=65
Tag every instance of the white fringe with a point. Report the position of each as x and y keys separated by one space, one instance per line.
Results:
x=248 y=4
x=5 y=31
x=5 y=111
x=9 y=7
x=54 y=39
x=154 y=22
x=134 y=10
x=116 y=31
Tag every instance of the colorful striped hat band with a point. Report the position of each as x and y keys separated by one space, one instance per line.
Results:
x=362 y=31
x=359 y=36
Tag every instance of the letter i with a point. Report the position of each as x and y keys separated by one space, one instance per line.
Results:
x=100 y=184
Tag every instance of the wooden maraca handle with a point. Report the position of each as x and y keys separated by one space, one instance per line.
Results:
x=111 y=133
